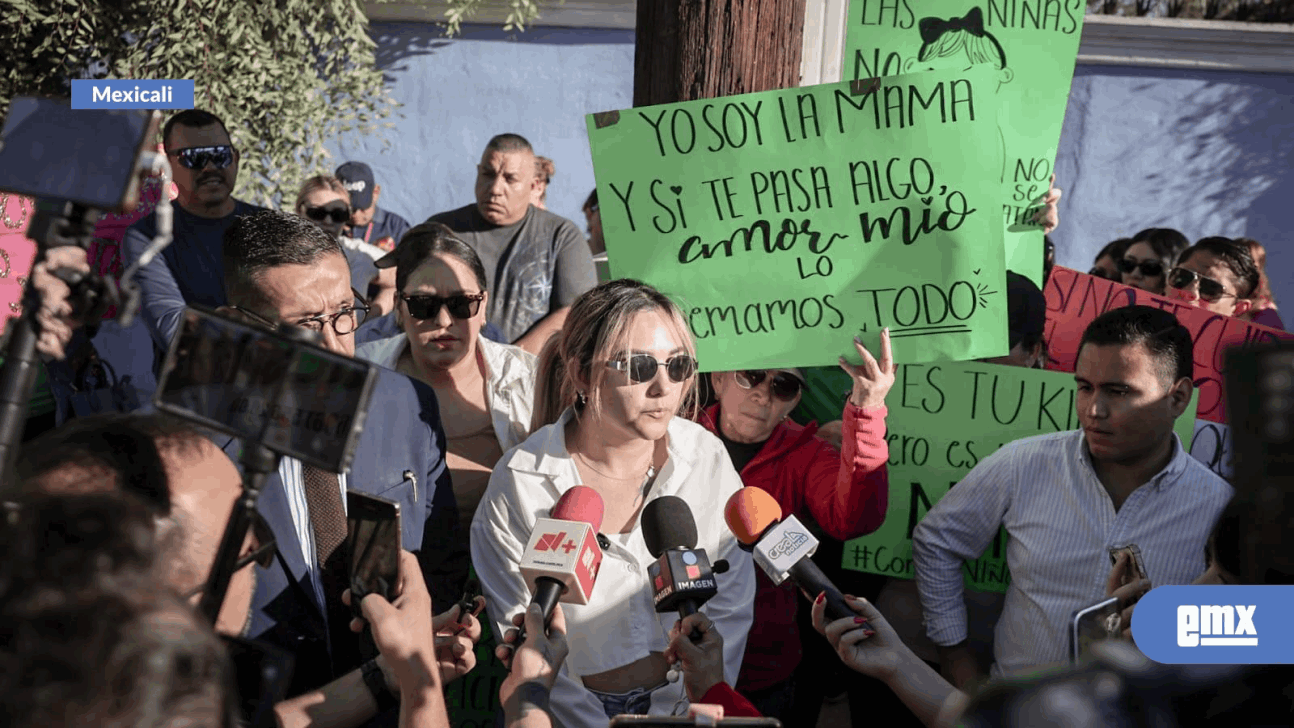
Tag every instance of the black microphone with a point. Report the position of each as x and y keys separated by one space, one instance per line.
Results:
x=682 y=578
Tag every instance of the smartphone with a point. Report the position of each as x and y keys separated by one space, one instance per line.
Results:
x=223 y=374
x=262 y=673
x=657 y=721
x=88 y=156
x=1093 y=624
x=1138 y=563
x=373 y=533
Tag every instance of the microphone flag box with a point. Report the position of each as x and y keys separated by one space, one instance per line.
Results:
x=681 y=575
x=782 y=546
x=567 y=551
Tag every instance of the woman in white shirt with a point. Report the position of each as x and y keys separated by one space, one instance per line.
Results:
x=625 y=363
x=485 y=390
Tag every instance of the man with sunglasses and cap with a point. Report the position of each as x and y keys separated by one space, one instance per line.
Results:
x=844 y=493
x=1217 y=274
x=368 y=222
x=204 y=167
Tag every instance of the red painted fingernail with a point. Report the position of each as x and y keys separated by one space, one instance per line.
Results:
x=860 y=620
x=821 y=598
x=869 y=633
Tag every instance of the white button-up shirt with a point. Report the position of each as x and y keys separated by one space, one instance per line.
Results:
x=509 y=376
x=1062 y=523
x=620 y=624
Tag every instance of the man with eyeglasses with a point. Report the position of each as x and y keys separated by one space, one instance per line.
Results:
x=1217 y=274
x=281 y=268
x=844 y=493
x=204 y=166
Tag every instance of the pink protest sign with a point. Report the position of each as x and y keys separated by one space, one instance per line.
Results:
x=1074 y=299
x=16 y=253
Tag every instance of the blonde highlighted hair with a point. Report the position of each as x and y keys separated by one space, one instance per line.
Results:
x=320 y=182
x=594 y=334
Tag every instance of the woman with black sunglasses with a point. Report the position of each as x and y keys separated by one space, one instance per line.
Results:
x=1149 y=256
x=845 y=493
x=619 y=373
x=324 y=201
x=485 y=389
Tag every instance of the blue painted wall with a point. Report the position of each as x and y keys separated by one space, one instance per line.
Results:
x=458 y=93
x=1207 y=153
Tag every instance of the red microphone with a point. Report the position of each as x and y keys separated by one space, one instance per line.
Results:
x=561 y=559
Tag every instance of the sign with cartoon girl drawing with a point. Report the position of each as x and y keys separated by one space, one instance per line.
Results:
x=1031 y=45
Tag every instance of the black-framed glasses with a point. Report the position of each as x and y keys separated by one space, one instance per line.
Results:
x=201 y=157
x=339 y=212
x=262 y=555
x=343 y=322
x=427 y=307
x=642 y=367
x=1210 y=290
x=784 y=386
x=1103 y=273
x=1149 y=268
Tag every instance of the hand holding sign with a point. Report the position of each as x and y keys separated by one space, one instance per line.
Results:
x=1049 y=215
x=872 y=379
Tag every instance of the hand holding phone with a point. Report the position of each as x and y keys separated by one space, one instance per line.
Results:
x=373 y=534
x=1136 y=565
x=1127 y=584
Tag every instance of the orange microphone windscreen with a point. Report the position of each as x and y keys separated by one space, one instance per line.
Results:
x=749 y=512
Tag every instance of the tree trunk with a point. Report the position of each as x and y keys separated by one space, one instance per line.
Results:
x=703 y=49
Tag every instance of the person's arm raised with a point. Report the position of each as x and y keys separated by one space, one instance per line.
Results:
x=847 y=488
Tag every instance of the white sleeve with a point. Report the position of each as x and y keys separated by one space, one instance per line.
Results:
x=499 y=535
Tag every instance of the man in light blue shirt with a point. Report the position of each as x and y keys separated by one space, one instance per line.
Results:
x=1067 y=498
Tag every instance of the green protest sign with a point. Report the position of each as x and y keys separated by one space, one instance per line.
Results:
x=1029 y=45
x=785 y=222
x=943 y=419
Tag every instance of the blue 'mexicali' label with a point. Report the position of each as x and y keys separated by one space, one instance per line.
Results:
x=132 y=94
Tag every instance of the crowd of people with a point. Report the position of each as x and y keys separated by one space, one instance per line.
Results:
x=506 y=376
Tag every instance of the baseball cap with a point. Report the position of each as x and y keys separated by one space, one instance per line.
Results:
x=1026 y=308
x=357 y=178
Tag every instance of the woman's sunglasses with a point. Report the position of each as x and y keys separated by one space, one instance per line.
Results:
x=338 y=213
x=642 y=367
x=426 y=308
x=783 y=386
x=1149 y=268
x=1210 y=290
x=200 y=157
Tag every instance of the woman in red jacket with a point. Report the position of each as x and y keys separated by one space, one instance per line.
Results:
x=846 y=493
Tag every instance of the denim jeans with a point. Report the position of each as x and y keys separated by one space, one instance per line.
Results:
x=634 y=702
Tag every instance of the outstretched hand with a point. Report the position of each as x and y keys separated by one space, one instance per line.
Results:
x=872 y=379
